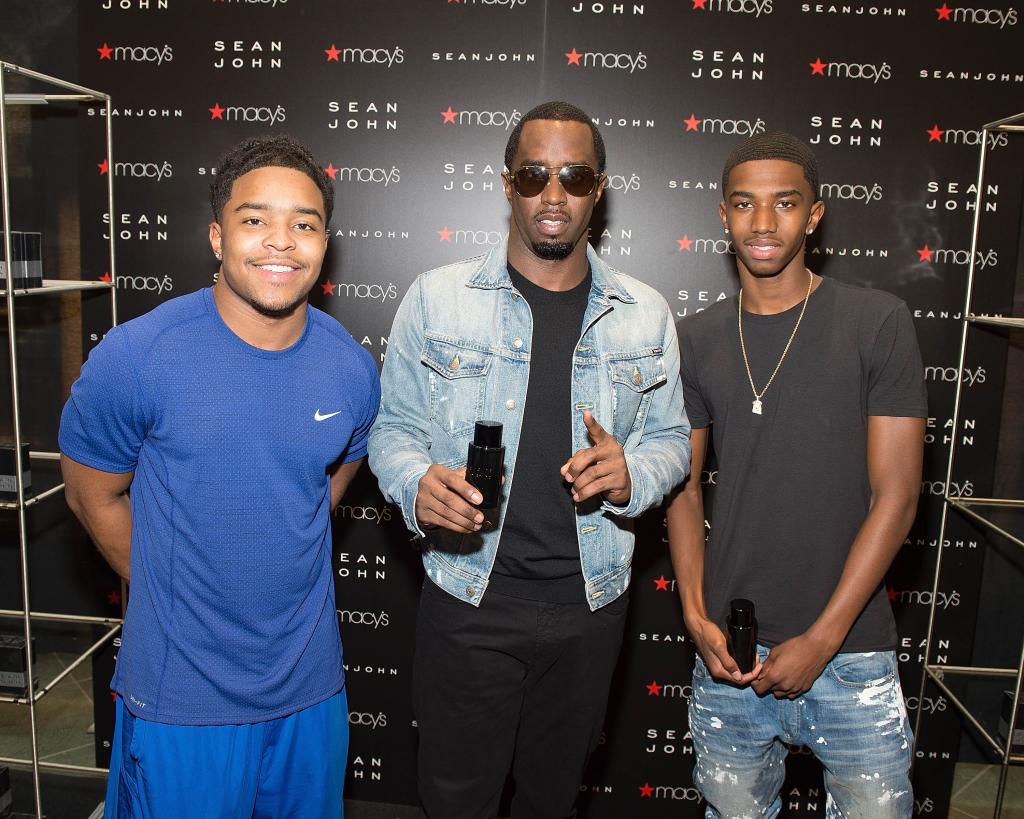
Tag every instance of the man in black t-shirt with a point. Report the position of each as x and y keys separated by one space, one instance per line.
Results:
x=522 y=612
x=813 y=391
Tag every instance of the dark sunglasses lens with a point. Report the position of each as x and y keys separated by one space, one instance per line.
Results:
x=578 y=180
x=530 y=180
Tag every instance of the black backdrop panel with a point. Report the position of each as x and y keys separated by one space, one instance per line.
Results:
x=409 y=106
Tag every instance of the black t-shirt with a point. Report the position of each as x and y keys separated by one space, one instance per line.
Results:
x=792 y=487
x=539 y=554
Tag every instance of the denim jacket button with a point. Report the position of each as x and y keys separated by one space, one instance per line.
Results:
x=510 y=404
x=470 y=591
x=517 y=343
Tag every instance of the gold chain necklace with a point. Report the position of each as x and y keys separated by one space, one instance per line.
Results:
x=756 y=407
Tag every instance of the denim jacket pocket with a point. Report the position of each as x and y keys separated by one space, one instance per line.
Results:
x=634 y=377
x=458 y=372
x=855 y=670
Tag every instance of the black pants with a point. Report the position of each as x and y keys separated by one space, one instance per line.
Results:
x=514 y=684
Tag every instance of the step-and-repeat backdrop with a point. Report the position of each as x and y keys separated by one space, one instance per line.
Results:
x=408 y=106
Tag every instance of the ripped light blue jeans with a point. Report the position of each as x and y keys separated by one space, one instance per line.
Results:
x=853 y=719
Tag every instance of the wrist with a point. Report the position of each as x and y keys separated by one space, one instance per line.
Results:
x=828 y=637
x=695 y=621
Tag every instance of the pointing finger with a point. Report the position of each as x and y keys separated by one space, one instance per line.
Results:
x=594 y=429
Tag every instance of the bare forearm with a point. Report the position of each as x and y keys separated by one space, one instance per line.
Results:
x=895 y=452
x=109 y=524
x=685 y=519
x=341 y=478
x=99 y=500
x=876 y=545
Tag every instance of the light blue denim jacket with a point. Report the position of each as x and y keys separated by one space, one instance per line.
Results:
x=459 y=351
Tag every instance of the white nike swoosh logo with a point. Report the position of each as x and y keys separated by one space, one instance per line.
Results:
x=318 y=417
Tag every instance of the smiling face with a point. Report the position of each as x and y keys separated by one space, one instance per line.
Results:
x=551 y=225
x=769 y=209
x=272 y=239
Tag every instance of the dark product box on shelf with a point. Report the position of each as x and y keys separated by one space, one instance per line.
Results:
x=8 y=479
x=26 y=260
x=33 y=259
x=1004 y=723
x=5 y=791
x=12 y=666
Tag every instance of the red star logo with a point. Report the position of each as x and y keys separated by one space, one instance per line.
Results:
x=449 y=116
x=925 y=254
x=573 y=57
x=103 y=166
x=105 y=52
x=105 y=277
x=893 y=594
x=328 y=288
x=216 y=112
x=817 y=67
x=114 y=597
x=699 y=4
x=332 y=53
x=331 y=170
x=692 y=123
x=685 y=243
x=944 y=11
x=661 y=584
x=935 y=133
x=653 y=689
x=646 y=789
x=113 y=696
x=445 y=234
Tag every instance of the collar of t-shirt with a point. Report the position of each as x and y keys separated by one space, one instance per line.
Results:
x=533 y=292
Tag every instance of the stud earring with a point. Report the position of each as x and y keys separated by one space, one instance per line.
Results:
x=217 y=254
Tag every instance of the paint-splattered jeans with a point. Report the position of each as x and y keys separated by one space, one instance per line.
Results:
x=853 y=718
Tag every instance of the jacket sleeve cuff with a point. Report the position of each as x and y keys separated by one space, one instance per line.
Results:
x=410 y=488
x=638 y=496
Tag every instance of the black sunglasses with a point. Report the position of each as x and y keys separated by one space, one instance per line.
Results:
x=576 y=180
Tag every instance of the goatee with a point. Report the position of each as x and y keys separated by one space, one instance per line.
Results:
x=552 y=251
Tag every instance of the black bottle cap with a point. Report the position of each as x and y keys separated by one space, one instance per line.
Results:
x=487 y=433
x=742 y=613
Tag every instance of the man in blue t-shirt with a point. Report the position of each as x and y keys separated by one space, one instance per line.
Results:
x=237 y=415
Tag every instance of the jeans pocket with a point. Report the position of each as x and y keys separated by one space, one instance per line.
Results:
x=699 y=669
x=855 y=670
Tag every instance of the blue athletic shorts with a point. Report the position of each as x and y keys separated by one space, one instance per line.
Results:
x=293 y=766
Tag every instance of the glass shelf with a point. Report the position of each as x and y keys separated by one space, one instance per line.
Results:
x=58 y=286
x=979 y=695
x=46 y=481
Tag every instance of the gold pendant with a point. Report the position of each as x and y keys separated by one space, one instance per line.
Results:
x=756 y=408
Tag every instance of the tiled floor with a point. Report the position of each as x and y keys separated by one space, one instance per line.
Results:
x=64 y=718
x=974 y=792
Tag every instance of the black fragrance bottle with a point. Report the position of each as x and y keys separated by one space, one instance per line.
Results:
x=742 y=633
x=485 y=461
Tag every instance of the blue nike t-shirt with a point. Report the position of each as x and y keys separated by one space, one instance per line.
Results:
x=231 y=617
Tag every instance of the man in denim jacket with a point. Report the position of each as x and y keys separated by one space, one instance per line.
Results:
x=522 y=611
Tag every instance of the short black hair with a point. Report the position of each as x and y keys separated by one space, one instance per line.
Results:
x=556 y=110
x=267 y=151
x=775 y=145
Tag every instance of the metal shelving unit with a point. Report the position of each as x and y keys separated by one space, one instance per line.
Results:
x=25 y=500
x=980 y=511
